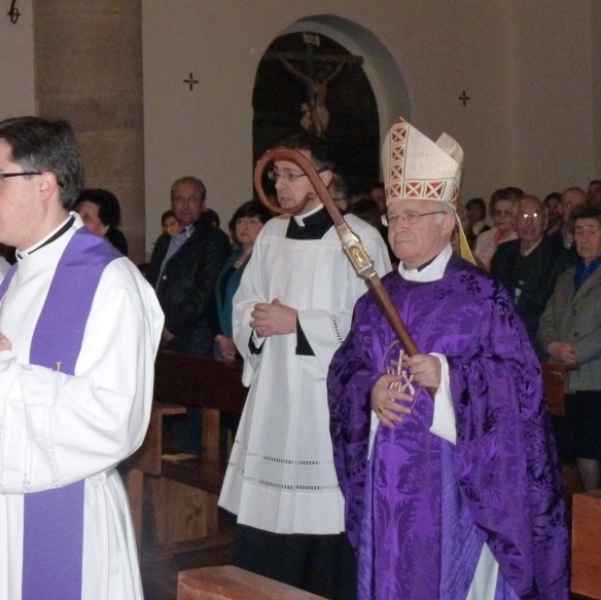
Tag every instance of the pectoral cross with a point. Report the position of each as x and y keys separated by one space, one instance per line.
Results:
x=407 y=383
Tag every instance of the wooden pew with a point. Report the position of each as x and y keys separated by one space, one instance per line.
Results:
x=554 y=376
x=586 y=541
x=182 y=491
x=232 y=583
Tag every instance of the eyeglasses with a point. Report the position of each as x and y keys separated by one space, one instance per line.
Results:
x=5 y=175
x=287 y=176
x=410 y=217
x=528 y=216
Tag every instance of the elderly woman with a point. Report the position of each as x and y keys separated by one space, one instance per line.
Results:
x=246 y=223
x=502 y=202
x=100 y=212
x=570 y=330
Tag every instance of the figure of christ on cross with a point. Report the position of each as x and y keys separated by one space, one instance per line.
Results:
x=316 y=116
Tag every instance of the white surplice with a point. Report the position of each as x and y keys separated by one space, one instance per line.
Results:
x=57 y=429
x=281 y=475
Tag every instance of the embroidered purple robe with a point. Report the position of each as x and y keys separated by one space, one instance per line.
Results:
x=419 y=510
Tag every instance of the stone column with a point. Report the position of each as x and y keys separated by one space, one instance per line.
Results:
x=88 y=65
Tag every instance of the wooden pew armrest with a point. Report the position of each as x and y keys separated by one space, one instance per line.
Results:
x=148 y=457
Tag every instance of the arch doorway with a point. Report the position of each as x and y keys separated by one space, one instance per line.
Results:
x=361 y=98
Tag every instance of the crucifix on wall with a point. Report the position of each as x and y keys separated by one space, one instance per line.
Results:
x=317 y=72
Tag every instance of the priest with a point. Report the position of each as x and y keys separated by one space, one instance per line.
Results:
x=292 y=310
x=446 y=459
x=79 y=329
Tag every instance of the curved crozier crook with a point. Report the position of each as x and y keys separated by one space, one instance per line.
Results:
x=351 y=244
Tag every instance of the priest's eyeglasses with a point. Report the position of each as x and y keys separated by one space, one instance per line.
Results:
x=411 y=217
x=287 y=176
x=5 y=175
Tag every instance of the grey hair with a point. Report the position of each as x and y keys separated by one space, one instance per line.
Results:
x=446 y=208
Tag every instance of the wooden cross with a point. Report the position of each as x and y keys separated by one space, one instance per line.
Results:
x=464 y=98
x=191 y=81
x=311 y=59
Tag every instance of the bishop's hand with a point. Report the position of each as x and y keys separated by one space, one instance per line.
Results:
x=425 y=369
x=388 y=402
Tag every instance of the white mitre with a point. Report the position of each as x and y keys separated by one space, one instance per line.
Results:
x=416 y=168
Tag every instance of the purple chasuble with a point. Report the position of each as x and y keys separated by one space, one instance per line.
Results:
x=420 y=509
x=53 y=519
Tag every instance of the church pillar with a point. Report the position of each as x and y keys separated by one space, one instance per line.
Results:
x=88 y=65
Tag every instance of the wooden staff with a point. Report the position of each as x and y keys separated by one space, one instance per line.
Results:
x=351 y=243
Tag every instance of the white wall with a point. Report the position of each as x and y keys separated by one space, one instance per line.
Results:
x=440 y=49
x=555 y=96
x=529 y=66
x=17 y=97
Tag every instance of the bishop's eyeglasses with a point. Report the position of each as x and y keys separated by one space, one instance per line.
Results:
x=411 y=217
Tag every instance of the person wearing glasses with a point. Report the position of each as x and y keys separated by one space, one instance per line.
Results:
x=80 y=328
x=502 y=202
x=446 y=458
x=529 y=266
x=292 y=310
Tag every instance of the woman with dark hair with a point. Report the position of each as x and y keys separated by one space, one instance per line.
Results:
x=246 y=223
x=476 y=215
x=168 y=220
x=99 y=210
x=553 y=203
x=570 y=331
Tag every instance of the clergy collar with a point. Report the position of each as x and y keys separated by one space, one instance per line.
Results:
x=305 y=219
x=431 y=271
x=314 y=225
x=51 y=237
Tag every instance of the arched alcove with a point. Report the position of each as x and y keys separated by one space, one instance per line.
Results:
x=362 y=99
x=384 y=74
x=317 y=87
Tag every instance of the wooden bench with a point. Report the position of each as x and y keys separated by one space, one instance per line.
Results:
x=586 y=544
x=554 y=376
x=181 y=491
x=232 y=583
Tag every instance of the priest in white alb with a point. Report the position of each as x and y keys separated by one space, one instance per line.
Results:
x=291 y=312
x=79 y=329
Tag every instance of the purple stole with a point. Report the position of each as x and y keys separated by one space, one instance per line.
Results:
x=53 y=519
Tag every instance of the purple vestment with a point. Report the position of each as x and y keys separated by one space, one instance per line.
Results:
x=53 y=519
x=420 y=509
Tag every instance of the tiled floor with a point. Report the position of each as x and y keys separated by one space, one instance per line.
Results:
x=160 y=576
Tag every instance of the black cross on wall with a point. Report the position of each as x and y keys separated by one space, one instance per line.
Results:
x=191 y=81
